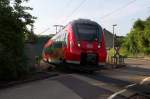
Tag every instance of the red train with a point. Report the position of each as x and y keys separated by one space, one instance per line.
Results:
x=80 y=42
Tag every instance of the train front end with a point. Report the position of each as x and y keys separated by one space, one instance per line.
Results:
x=86 y=45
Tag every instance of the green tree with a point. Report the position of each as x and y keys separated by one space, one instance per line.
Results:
x=146 y=38
x=14 y=20
x=138 y=41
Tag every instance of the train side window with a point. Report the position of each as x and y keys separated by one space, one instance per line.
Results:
x=48 y=49
x=57 y=44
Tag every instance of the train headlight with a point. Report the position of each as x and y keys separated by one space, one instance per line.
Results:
x=79 y=45
x=99 y=46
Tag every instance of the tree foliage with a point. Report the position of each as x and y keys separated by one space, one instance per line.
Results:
x=14 y=20
x=138 y=40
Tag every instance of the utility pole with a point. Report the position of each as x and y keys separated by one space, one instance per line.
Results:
x=148 y=9
x=58 y=28
x=114 y=36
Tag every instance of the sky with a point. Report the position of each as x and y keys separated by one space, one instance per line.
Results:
x=105 y=12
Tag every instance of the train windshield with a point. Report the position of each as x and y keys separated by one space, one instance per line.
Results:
x=88 y=32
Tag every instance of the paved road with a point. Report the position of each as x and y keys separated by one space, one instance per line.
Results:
x=101 y=85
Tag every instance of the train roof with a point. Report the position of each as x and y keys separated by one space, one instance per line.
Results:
x=84 y=21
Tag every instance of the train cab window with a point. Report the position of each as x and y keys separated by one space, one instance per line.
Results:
x=88 y=32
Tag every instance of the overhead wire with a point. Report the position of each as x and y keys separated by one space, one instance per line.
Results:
x=70 y=15
x=75 y=10
x=63 y=10
x=102 y=17
x=118 y=9
x=66 y=6
x=45 y=30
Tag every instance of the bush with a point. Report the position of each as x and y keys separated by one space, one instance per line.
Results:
x=147 y=50
x=12 y=30
x=122 y=52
